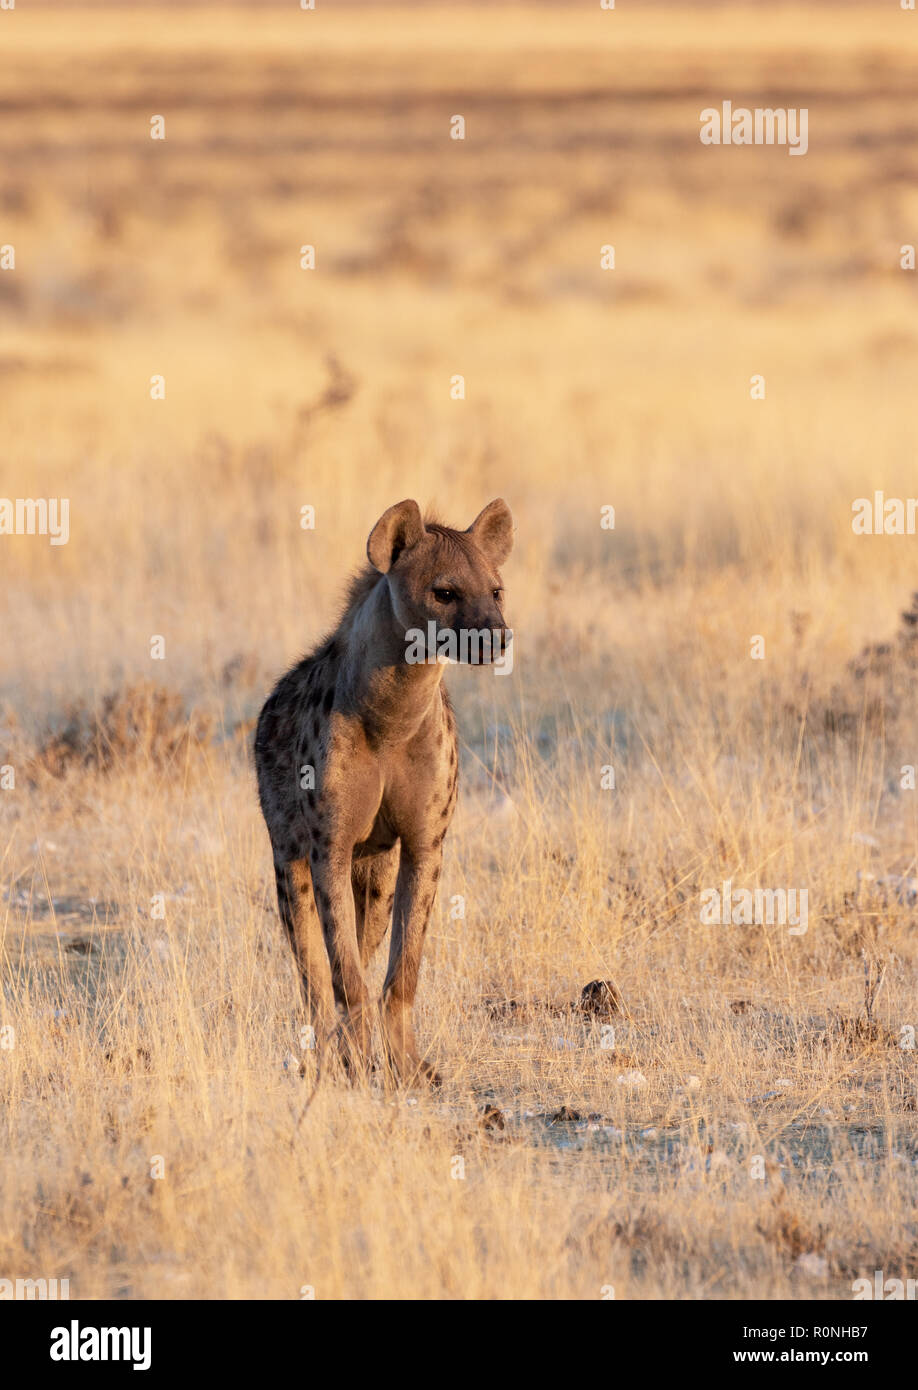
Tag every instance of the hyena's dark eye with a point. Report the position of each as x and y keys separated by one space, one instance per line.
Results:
x=498 y=595
x=444 y=595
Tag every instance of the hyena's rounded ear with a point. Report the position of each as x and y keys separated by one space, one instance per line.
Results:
x=399 y=528
x=493 y=530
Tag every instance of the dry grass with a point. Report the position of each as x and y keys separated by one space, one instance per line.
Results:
x=754 y=1111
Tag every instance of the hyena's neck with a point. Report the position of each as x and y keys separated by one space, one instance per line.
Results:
x=391 y=696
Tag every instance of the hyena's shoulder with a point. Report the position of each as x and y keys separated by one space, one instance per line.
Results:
x=302 y=696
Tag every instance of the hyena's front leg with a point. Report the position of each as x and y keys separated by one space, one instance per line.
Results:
x=301 y=919
x=415 y=891
x=331 y=872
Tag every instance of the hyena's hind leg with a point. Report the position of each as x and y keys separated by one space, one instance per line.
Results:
x=373 y=880
x=300 y=917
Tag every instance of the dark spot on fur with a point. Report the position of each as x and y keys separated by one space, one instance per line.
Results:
x=329 y=700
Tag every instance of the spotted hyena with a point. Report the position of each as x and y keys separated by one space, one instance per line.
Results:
x=358 y=769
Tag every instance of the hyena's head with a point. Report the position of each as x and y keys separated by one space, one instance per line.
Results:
x=448 y=578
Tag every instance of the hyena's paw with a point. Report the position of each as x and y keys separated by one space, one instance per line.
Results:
x=427 y=1072
x=405 y=1064
x=412 y=1071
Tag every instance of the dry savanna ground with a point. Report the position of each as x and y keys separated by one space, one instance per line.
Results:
x=738 y=1119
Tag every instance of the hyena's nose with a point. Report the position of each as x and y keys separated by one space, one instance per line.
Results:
x=501 y=636
x=492 y=636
